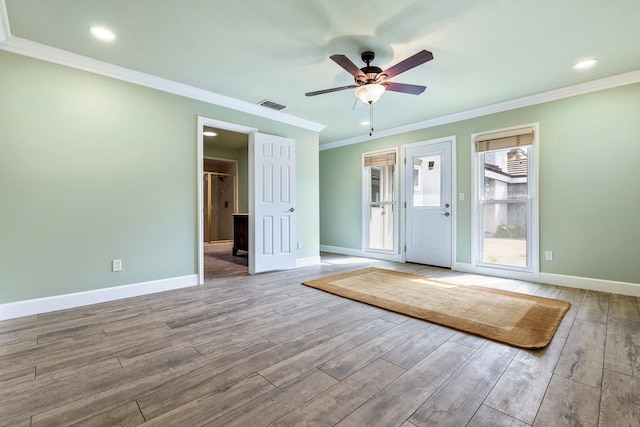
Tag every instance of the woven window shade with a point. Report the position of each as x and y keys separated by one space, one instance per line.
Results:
x=380 y=159
x=505 y=139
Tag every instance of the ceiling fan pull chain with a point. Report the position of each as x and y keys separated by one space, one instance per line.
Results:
x=371 y=118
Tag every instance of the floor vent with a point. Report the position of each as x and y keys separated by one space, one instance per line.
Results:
x=272 y=105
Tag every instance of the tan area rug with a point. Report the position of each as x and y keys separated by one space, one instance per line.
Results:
x=521 y=320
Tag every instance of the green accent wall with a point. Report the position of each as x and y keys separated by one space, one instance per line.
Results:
x=589 y=173
x=94 y=169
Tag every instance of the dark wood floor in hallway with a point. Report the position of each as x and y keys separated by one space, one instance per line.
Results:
x=264 y=350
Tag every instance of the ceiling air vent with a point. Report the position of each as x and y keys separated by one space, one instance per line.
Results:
x=272 y=105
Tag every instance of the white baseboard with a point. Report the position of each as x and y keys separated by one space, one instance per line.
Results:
x=341 y=251
x=611 y=286
x=61 y=302
x=601 y=285
x=309 y=261
x=361 y=253
x=496 y=272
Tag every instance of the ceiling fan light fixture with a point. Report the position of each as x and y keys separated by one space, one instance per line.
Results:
x=370 y=93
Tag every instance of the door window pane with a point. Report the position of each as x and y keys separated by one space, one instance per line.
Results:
x=427 y=181
x=505 y=234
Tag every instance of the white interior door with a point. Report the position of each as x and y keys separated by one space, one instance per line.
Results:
x=272 y=219
x=429 y=212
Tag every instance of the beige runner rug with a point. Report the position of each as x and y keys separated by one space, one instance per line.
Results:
x=521 y=320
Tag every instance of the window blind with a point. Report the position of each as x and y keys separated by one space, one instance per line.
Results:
x=380 y=159
x=505 y=139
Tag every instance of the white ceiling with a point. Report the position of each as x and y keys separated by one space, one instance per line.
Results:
x=485 y=51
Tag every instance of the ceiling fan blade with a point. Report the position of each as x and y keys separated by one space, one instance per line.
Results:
x=334 y=89
x=404 y=88
x=346 y=63
x=407 y=64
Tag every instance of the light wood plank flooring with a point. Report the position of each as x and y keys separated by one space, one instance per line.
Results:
x=224 y=265
x=264 y=350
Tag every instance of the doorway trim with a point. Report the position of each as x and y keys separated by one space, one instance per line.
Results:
x=201 y=123
x=403 y=193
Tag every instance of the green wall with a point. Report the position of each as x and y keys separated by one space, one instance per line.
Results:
x=94 y=169
x=589 y=174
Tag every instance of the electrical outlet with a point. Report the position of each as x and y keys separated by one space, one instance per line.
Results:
x=548 y=255
x=116 y=265
x=299 y=245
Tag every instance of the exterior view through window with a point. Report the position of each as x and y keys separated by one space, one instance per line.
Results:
x=504 y=197
x=505 y=207
x=380 y=199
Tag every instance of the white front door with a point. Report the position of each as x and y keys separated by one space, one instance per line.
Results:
x=429 y=212
x=272 y=219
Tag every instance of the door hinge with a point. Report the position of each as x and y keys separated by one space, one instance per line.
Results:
x=405 y=248
x=405 y=204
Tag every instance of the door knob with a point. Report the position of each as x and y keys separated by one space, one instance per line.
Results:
x=292 y=210
x=446 y=214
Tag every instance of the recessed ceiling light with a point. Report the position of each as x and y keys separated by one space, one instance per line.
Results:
x=102 y=33
x=209 y=133
x=587 y=63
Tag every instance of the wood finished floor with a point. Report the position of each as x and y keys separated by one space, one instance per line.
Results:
x=264 y=350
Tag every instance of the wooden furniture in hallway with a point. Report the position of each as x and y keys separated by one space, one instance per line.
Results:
x=240 y=232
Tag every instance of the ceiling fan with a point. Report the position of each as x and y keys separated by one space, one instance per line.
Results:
x=371 y=82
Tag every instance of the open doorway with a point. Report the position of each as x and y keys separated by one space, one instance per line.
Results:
x=270 y=218
x=224 y=196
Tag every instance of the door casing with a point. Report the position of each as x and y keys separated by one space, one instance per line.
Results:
x=251 y=133
x=201 y=122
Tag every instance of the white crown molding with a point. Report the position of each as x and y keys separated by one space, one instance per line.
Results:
x=623 y=79
x=13 y=310
x=4 y=22
x=58 y=56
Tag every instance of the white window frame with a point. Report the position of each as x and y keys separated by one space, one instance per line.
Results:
x=366 y=198
x=419 y=171
x=533 y=244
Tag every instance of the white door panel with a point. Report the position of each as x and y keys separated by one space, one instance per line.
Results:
x=429 y=213
x=272 y=211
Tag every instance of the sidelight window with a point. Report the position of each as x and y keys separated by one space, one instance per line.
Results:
x=380 y=189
